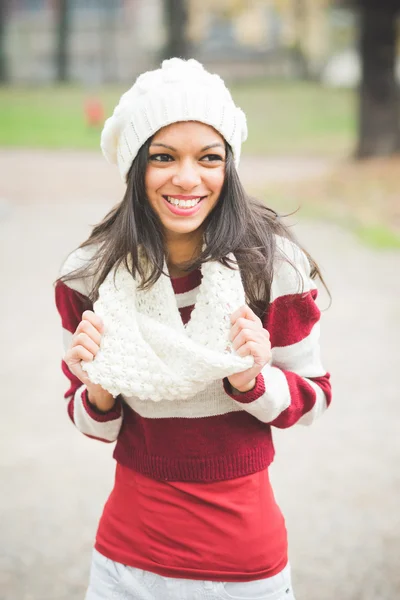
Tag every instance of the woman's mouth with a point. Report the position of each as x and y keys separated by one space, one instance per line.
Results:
x=184 y=202
x=183 y=205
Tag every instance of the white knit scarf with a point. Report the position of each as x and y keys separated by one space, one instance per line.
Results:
x=147 y=352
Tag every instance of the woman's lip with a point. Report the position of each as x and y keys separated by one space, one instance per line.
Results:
x=183 y=212
x=181 y=197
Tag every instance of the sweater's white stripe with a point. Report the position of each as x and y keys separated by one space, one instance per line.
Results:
x=107 y=430
x=302 y=358
x=76 y=260
x=287 y=279
x=187 y=298
x=210 y=403
x=275 y=399
x=319 y=407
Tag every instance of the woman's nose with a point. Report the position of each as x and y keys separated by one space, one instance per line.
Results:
x=187 y=176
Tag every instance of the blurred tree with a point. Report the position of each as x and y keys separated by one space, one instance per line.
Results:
x=379 y=114
x=3 y=65
x=62 y=27
x=300 y=18
x=176 y=20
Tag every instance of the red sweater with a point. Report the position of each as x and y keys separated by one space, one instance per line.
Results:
x=217 y=435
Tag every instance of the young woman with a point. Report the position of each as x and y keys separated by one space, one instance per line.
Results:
x=202 y=337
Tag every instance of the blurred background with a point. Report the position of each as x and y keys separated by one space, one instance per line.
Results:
x=319 y=82
x=317 y=79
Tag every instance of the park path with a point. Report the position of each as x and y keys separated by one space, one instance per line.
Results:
x=338 y=482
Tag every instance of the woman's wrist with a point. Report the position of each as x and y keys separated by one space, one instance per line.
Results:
x=246 y=388
x=100 y=398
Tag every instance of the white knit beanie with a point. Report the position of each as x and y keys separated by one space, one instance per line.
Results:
x=180 y=91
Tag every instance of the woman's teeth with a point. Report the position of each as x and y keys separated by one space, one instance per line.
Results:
x=182 y=203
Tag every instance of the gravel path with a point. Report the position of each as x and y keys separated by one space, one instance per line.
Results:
x=338 y=482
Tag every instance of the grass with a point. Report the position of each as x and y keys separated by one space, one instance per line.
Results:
x=379 y=236
x=297 y=118
x=282 y=117
x=45 y=118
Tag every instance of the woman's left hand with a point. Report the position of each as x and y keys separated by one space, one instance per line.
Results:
x=248 y=336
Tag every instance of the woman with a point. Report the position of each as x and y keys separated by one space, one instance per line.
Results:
x=204 y=335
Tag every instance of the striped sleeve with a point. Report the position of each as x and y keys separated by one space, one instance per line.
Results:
x=294 y=387
x=95 y=424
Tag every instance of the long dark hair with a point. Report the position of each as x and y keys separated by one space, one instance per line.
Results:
x=238 y=224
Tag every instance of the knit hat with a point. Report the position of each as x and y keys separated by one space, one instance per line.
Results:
x=179 y=91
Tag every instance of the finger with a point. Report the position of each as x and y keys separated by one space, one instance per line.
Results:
x=94 y=319
x=246 y=335
x=90 y=330
x=75 y=367
x=78 y=353
x=82 y=339
x=80 y=373
x=249 y=348
x=240 y=312
x=241 y=324
x=246 y=312
x=260 y=338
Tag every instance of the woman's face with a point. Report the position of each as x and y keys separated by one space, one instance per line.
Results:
x=185 y=174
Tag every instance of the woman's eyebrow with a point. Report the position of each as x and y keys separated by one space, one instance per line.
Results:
x=212 y=146
x=215 y=145
x=163 y=145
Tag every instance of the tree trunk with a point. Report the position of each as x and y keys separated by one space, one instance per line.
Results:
x=299 y=54
x=379 y=128
x=3 y=62
x=62 y=40
x=176 y=17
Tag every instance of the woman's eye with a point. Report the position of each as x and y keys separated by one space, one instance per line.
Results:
x=212 y=158
x=161 y=157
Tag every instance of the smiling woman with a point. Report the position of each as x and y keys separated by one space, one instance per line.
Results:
x=190 y=329
x=184 y=184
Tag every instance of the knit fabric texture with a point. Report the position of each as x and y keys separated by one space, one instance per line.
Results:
x=179 y=91
x=147 y=352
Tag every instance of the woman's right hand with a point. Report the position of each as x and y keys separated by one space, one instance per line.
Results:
x=84 y=346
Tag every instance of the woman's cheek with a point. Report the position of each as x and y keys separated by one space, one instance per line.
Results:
x=155 y=179
x=215 y=180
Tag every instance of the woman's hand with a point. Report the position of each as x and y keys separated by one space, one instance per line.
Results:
x=84 y=346
x=248 y=336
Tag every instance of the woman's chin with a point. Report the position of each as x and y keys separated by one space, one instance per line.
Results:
x=181 y=226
